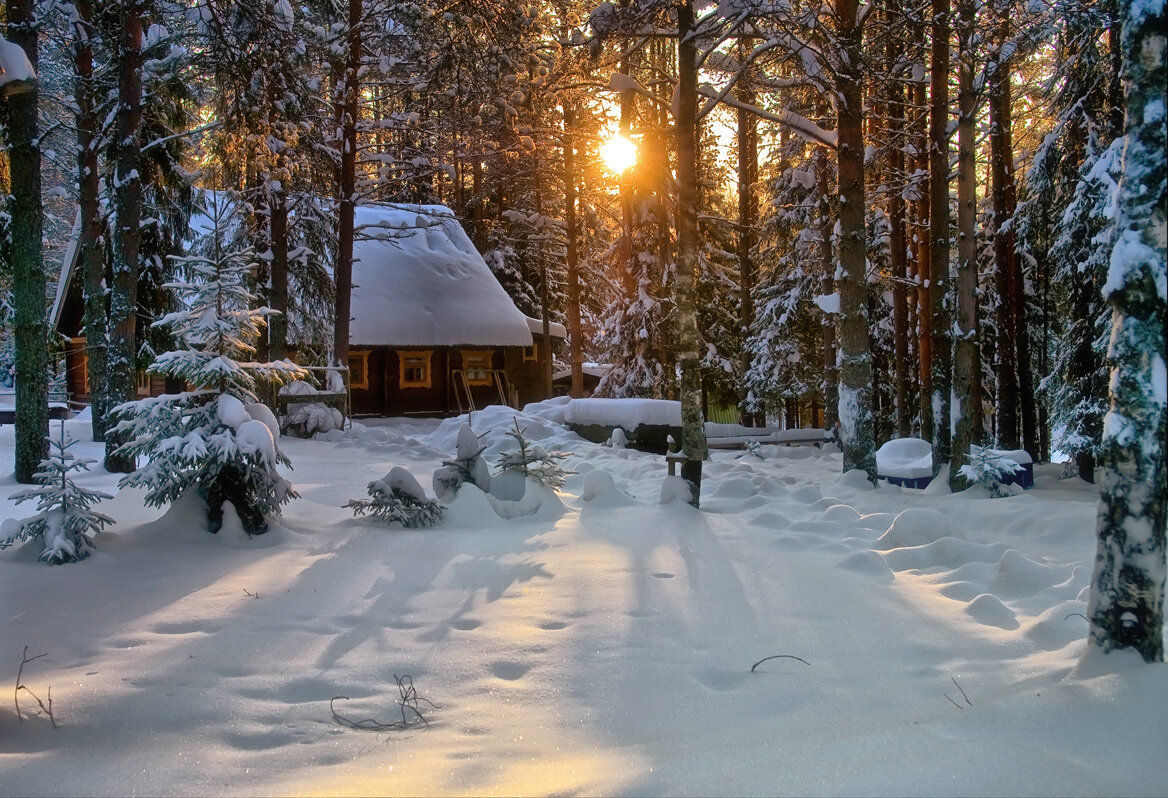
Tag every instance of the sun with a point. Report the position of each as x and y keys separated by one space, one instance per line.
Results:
x=619 y=153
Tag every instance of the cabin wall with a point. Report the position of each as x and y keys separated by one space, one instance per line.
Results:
x=386 y=396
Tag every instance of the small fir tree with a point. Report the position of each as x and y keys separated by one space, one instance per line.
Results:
x=533 y=461
x=467 y=466
x=988 y=468
x=65 y=521
x=209 y=439
x=398 y=498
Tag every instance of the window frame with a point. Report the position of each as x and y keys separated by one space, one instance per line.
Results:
x=427 y=358
x=488 y=358
x=362 y=356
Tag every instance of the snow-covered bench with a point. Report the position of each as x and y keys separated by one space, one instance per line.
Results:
x=736 y=436
x=908 y=462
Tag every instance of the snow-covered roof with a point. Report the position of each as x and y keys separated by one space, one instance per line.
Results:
x=555 y=329
x=14 y=64
x=419 y=281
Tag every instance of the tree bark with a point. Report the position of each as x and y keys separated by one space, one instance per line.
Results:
x=856 y=430
x=573 y=258
x=90 y=252
x=1126 y=606
x=897 y=244
x=1001 y=159
x=127 y=234
x=941 y=378
x=348 y=113
x=966 y=352
x=693 y=435
x=28 y=268
x=828 y=321
x=747 y=219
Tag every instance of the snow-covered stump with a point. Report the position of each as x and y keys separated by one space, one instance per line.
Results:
x=1126 y=608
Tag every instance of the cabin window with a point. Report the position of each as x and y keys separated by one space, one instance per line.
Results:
x=477 y=365
x=359 y=369
x=531 y=353
x=414 y=369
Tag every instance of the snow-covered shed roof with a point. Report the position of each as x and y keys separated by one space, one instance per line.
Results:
x=15 y=68
x=419 y=281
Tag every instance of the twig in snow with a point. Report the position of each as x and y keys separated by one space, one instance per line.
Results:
x=1081 y=615
x=20 y=686
x=954 y=703
x=408 y=701
x=778 y=656
x=963 y=695
x=254 y=595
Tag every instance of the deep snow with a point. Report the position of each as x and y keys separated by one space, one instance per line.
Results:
x=602 y=645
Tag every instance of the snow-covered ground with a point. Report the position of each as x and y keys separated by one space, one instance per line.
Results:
x=601 y=646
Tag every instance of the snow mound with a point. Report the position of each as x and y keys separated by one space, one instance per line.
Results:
x=600 y=490
x=626 y=413
x=869 y=563
x=261 y=412
x=916 y=526
x=254 y=437
x=988 y=609
x=675 y=489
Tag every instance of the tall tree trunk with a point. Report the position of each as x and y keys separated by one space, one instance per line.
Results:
x=347 y=113
x=127 y=219
x=923 y=251
x=28 y=268
x=90 y=252
x=828 y=321
x=940 y=376
x=278 y=234
x=855 y=404
x=574 y=330
x=897 y=244
x=966 y=355
x=693 y=434
x=1126 y=606
x=1001 y=157
x=747 y=219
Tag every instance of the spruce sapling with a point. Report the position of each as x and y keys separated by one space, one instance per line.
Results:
x=208 y=439
x=987 y=468
x=65 y=521
x=533 y=461
x=398 y=498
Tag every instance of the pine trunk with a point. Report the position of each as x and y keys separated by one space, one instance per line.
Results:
x=828 y=321
x=897 y=244
x=941 y=377
x=90 y=252
x=278 y=234
x=28 y=269
x=1126 y=607
x=347 y=113
x=573 y=264
x=747 y=219
x=1001 y=158
x=127 y=192
x=855 y=406
x=966 y=355
x=693 y=434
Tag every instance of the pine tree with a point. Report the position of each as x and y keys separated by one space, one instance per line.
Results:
x=214 y=438
x=65 y=521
